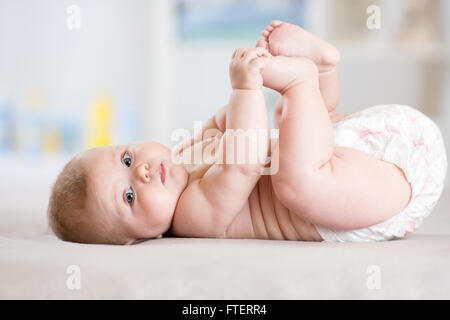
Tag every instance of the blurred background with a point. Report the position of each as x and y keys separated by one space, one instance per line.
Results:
x=78 y=74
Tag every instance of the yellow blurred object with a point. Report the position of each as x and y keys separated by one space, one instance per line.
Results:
x=51 y=141
x=99 y=122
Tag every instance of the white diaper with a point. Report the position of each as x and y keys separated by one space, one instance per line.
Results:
x=409 y=139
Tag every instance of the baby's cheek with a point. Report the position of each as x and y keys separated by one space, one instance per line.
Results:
x=179 y=175
x=157 y=205
x=150 y=204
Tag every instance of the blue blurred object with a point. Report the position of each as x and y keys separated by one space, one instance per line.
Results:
x=71 y=135
x=204 y=19
x=29 y=132
x=6 y=129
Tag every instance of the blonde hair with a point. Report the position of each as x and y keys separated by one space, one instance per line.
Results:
x=68 y=214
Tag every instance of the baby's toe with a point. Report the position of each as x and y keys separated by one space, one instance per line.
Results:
x=269 y=28
x=276 y=23
x=262 y=42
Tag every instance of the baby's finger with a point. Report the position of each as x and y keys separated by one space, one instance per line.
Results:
x=257 y=52
x=250 y=55
x=245 y=52
x=261 y=51
x=237 y=53
x=253 y=53
x=258 y=63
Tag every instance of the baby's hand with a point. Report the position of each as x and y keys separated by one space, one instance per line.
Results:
x=245 y=68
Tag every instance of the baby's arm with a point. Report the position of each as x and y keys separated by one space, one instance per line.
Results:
x=214 y=125
x=208 y=205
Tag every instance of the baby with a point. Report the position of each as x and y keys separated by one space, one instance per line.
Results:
x=371 y=176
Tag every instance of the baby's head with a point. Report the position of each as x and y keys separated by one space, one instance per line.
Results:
x=116 y=194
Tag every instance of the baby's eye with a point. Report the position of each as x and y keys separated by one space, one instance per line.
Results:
x=126 y=159
x=129 y=196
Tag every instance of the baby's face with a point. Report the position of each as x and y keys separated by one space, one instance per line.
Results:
x=136 y=185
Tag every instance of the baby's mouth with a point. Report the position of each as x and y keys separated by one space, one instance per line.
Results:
x=162 y=172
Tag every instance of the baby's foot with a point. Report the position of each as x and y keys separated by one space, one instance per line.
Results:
x=286 y=39
x=281 y=73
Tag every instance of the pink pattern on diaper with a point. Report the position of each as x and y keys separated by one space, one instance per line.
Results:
x=392 y=129
x=421 y=143
x=371 y=132
x=423 y=187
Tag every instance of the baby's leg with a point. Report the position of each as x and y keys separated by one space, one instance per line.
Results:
x=289 y=40
x=340 y=188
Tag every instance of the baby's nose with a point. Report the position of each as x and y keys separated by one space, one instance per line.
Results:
x=143 y=172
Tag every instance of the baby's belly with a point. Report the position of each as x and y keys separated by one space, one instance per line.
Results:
x=265 y=217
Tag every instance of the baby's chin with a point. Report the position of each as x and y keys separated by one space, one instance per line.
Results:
x=179 y=175
x=153 y=230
